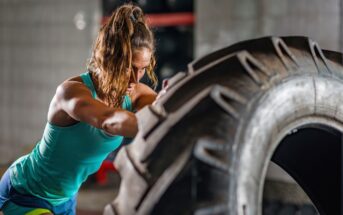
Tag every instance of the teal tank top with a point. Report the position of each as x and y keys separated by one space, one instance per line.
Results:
x=64 y=158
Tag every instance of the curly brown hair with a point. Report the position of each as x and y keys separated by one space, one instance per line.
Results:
x=125 y=32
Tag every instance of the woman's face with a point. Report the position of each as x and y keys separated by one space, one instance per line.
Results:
x=140 y=61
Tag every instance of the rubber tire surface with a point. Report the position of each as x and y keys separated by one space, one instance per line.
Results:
x=204 y=148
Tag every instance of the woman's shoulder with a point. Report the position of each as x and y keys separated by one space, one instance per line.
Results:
x=143 y=95
x=74 y=81
x=71 y=85
x=139 y=89
x=143 y=88
x=75 y=78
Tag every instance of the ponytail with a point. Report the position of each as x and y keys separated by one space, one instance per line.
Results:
x=125 y=32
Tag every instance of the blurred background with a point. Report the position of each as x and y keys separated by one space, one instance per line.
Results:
x=43 y=42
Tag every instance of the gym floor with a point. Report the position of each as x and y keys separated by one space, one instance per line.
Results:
x=93 y=197
x=93 y=201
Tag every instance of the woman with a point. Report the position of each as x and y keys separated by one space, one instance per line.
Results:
x=87 y=119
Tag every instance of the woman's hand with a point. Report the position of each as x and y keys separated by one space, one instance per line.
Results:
x=162 y=92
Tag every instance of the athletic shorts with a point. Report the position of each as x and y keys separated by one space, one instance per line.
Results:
x=12 y=202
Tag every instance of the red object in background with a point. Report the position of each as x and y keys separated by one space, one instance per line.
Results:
x=170 y=19
x=166 y=19
x=101 y=174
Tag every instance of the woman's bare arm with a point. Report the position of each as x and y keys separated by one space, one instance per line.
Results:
x=76 y=100
x=142 y=95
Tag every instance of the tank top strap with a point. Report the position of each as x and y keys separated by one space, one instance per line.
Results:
x=86 y=78
x=89 y=83
x=127 y=103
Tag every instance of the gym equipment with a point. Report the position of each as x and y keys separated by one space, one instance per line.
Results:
x=174 y=42
x=180 y=5
x=156 y=6
x=205 y=146
x=170 y=68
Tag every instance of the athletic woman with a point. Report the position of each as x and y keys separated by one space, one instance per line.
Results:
x=87 y=119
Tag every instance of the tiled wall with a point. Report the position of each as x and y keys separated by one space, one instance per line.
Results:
x=238 y=20
x=42 y=42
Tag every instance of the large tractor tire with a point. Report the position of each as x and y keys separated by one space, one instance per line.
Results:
x=205 y=146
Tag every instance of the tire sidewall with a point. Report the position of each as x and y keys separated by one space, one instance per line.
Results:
x=296 y=101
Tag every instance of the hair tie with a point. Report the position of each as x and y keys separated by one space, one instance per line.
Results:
x=133 y=18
